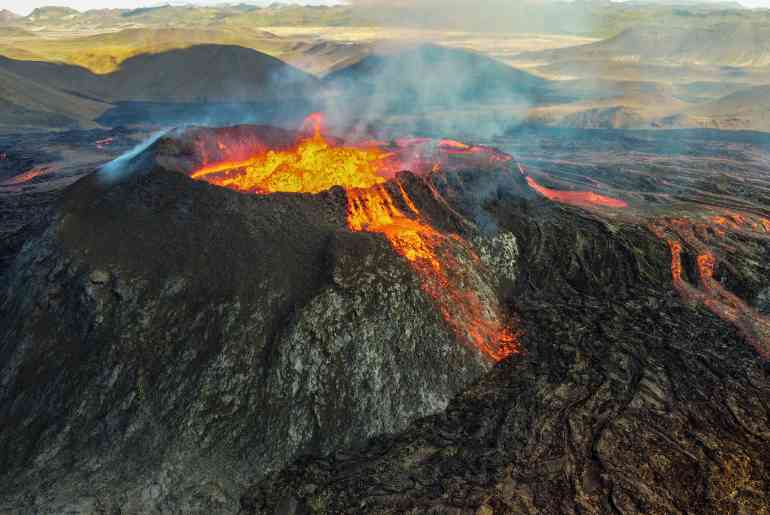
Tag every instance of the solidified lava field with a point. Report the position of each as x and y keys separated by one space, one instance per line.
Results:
x=259 y=320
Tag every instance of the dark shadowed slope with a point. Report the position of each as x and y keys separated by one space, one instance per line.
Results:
x=435 y=76
x=202 y=72
x=26 y=103
x=207 y=72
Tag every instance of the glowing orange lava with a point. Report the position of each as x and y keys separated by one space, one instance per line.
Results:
x=711 y=293
x=366 y=171
x=312 y=166
x=26 y=176
x=577 y=198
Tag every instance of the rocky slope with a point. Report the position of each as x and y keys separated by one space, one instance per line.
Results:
x=173 y=346
x=625 y=400
x=165 y=339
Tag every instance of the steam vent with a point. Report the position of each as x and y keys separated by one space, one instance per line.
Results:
x=262 y=321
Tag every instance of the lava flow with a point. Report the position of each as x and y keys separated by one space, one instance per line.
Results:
x=444 y=263
x=27 y=176
x=711 y=293
x=574 y=198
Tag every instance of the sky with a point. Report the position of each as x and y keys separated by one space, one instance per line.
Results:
x=26 y=6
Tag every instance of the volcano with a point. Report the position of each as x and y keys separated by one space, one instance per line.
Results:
x=378 y=202
x=260 y=320
x=340 y=305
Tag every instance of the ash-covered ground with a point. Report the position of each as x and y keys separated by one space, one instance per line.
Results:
x=171 y=345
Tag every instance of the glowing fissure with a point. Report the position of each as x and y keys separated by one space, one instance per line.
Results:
x=442 y=262
x=711 y=294
x=575 y=198
x=27 y=176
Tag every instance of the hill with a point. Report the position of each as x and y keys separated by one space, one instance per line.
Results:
x=432 y=89
x=105 y=52
x=206 y=73
x=747 y=108
x=29 y=104
x=428 y=76
x=153 y=87
x=199 y=73
x=723 y=44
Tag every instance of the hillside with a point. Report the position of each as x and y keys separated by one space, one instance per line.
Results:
x=740 y=102
x=105 y=52
x=747 y=108
x=177 y=86
x=206 y=73
x=723 y=44
x=198 y=73
x=429 y=75
x=14 y=32
x=434 y=90
x=29 y=104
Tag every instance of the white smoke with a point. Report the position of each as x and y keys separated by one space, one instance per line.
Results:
x=119 y=167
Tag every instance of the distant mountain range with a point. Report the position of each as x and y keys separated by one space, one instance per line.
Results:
x=724 y=44
x=598 y=18
x=692 y=74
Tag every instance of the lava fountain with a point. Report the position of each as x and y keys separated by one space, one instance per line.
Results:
x=367 y=171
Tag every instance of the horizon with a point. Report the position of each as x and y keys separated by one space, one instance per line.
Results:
x=87 y=5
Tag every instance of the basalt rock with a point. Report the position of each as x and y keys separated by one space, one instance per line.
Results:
x=171 y=346
x=623 y=400
x=164 y=340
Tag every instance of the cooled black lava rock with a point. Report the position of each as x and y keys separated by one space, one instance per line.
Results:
x=165 y=344
x=165 y=340
x=625 y=400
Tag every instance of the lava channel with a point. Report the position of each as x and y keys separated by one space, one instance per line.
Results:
x=574 y=198
x=710 y=293
x=367 y=172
